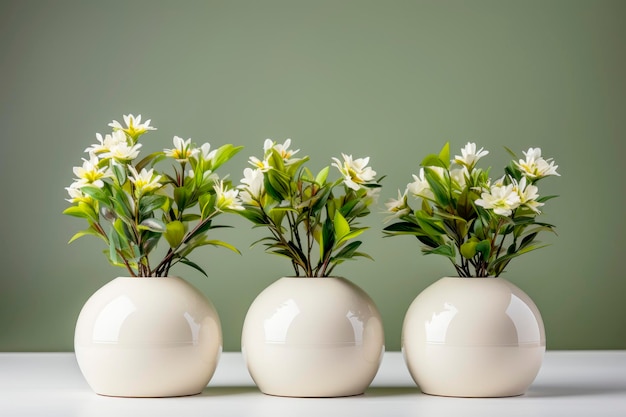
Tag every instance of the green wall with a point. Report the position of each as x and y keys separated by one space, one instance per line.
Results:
x=388 y=79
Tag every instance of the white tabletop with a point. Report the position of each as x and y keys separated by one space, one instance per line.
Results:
x=570 y=383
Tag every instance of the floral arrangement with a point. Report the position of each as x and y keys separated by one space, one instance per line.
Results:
x=312 y=220
x=478 y=223
x=131 y=206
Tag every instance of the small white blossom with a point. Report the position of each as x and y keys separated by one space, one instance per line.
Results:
x=528 y=195
x=105 y=144
x=469 y=156
x=282 y=149
x=226 y=199
x=76 y=194
x=355 y=172
x=90 y=174
x=501 y=199
x=251 y=186
x=206 y=153
x=134 y=128
x=459 y=176
x=397 y=207
x=182 y=149
x=262 y=165
x=122 y=151
x=535 y=166
x=145 y=181
x=419 y=187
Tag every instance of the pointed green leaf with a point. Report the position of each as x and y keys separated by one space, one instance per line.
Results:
x=444 y=154
x=321 y=177
x=193 y=265
x=152 y=224
x=120 y=173
x=341 y=226
x=97 y=194
x=174 y=233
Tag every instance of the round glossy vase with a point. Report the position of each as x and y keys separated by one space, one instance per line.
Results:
x=473 y=337
x=148 y=337
x=313 y=337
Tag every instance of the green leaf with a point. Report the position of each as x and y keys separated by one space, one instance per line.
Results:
x=484 y=247
x=114 y=244
x=149 y=203
x=193 y=265
x=278 y=184
x=429 y=225
x=498 y=264
x=82 y=210
x=468 y=249
x=438 y=187
x=152 y=224
x=90 y=231
x=328 y=238
x=149 y=159
x=219 y=243
x=444 y=155
x=119 y=171
x=354 y=233
x=341 y=226
x=223 y=154
x=174 y=233
x=97 y=194
x=444 y=250
x=348 y=251
x=181 y=197
x=255 y=215
x=207 y=204
x=321 y=177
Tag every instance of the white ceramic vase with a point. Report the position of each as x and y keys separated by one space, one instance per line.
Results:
x=148 y=337
x=473 y=337
x=313 y=337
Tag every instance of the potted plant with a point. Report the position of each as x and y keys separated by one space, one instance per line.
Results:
x=149 y=334
x=311 y=334
x=475 y=335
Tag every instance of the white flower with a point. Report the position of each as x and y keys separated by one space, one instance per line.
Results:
x=397 y=207
x=106 y=143
x=535 y=166
x=469 y=156
x=459 y=176
x=76 y=194
x=251 y=186
x=282 y=149
x=371 y=196
x=354 y=172
x=206 y=153
x=182 y=150
x=134 y=128
x=145 y=181
x=122 y=151
x=226 y=199
x=419 y=187
x=501 y=199
x=528 y=195
x=90 y=174
x=263 y=165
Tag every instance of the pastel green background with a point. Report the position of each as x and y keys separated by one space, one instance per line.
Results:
x=392 y=80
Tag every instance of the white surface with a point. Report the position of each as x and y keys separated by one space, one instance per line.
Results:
x=575 y=383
